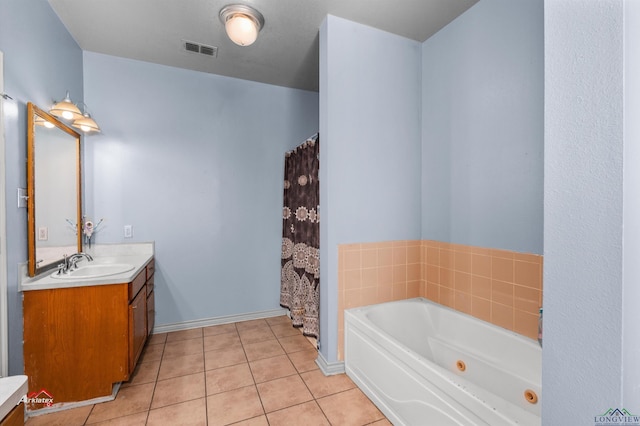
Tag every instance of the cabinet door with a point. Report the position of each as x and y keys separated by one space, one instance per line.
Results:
x=151 y=311
x=137 y=327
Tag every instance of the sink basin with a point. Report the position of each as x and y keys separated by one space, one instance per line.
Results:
x=95 y=271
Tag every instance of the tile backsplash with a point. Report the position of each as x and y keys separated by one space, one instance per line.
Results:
x=499 y=286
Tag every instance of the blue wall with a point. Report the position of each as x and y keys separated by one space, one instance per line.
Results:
x=194 y=162
x=482 y=128
x=370 y=145
x=41 y=62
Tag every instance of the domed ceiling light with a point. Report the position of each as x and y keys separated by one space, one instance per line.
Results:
x=66 y=109
x=242 y=23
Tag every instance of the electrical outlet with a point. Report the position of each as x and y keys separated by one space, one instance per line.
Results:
x=128 y=231
x=43 y=233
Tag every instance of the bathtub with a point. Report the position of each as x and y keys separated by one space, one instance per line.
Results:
x=425 y=364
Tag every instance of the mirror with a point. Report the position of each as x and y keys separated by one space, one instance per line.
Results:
x=53 y=189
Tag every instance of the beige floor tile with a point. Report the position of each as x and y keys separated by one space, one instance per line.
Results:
x=152 y=353
x=219 y=329
x=228 y=378
x=72 y=417
x=255 y=421
x=224 y=357
x=233 y=406
x=279 y=320
x=308 y=414
x=304 y=360
x=131 y=400
x=145 y=372
x=193 y=333
x=271 y=368
x=182 y=348
x=321 y=385
x=284 y=330
x=178 y=389
x=348 y=408
x=261 y=350
x=295 y=343
x=258 y=334
x=156 y=339
x=256 y=323
x=221 y=341
x=139 y=419
x=383 y=422
x=181 y=366
x=189 y=413
x=281 y=393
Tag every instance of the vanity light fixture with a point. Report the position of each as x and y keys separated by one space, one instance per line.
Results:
x=66 y=109
x=86 y=123
x=242 y=23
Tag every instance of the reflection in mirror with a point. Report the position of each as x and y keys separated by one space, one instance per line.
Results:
x=53 y=188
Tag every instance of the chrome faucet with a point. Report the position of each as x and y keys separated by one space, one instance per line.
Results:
x=70 y=263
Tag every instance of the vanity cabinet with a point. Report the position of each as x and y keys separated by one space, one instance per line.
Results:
x=80 y=340
x=15 y=417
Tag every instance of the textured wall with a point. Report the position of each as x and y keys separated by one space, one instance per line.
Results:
x=194 y=162
x=482 y=128
x=583 y=232
x=41 y=62
x=370 y=144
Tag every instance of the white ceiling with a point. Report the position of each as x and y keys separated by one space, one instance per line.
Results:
x=285 y=54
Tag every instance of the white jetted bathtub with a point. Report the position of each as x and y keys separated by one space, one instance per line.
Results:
x=425 y=364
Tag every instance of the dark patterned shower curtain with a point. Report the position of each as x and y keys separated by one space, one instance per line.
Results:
x=300 y=274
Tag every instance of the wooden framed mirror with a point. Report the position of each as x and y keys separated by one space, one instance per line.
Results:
x=54 y=203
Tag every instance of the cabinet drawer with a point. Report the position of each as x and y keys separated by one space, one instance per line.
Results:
x=137 y=284
x=151 y=268
x=150 y=284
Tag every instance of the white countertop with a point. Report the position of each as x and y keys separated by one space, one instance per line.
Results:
x=12 y=389
x=137 y=255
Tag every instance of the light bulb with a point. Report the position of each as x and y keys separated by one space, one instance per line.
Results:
x=241 y=29
x=68 y=115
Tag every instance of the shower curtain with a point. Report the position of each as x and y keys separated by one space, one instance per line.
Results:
x=300 y=273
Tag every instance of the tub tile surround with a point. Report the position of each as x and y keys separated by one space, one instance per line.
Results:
x=498 y=286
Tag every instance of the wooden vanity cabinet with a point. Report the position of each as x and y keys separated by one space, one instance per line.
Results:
x=15 y=417
x=79 y=341
x=151 y=301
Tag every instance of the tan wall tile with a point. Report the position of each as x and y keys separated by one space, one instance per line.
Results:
x=385 y=256
x=400 y=255
x=481 y=308
x=413 y=272
x=446 y=258
x=352 y=278
x=526 y=324
x=385 y=275
x=351 y=259
x=528 y=274
x=433 y=292
x=502 y=292
x=462 y=261
x=399 y=274
x=502 y=315
x=369 y=258
x=462 y=282
x=400 y=291
x=481 y=287
x=463 y=302
x=502 y=269
x=369 y=277
x=414 y=289
x=447 y=297
x=446 y=277
x=481 y=265
x=433 y=256
x=526 y=299
x=433 y=274
x=413 y=254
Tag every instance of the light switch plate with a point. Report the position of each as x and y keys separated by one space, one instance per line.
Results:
x=128 y=231
x=43 y=233
x=22 y=198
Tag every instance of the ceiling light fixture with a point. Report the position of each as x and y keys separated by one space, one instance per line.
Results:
x=66 y=109
x=85 y=122
x=242 y=23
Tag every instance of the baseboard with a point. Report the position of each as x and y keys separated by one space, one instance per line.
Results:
x=186 y=325
x=329 y=368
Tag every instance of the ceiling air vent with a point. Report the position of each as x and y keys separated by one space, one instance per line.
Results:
x=202 y=49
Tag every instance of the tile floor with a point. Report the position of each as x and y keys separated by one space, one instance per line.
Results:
x=251 y=373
